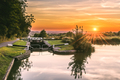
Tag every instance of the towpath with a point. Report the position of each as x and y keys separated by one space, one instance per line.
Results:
x=6 y=43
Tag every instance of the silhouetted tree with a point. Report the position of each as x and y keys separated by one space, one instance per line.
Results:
x=36 y=35
x=78 y=30
x=80 y=42
x=43 y=33
x=69 y=34
x=118 y=33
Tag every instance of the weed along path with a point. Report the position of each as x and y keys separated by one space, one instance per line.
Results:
x=6 y=43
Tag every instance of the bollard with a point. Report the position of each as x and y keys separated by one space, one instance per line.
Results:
x=9 y=45
x=53 y=46
x=66 y=44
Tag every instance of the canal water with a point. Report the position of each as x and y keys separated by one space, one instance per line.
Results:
x=103 y=64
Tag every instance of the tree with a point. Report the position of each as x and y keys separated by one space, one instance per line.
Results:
x=69 y=34
x=3 y=30
x=36 y=35
x=78 y=30
x=24 y=34
x=43 y=33
x=80 y=42
x=118 y=33
x=13 y=18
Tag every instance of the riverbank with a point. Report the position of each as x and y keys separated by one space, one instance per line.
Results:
x=98 y=41
x=7 y=54
x=67 y=48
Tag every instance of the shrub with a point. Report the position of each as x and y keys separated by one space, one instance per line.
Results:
x=81 y=44
x=67 y=40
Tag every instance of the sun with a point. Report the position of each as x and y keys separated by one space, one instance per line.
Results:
x=95 y=29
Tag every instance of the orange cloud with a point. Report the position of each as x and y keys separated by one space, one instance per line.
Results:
x=65 y=15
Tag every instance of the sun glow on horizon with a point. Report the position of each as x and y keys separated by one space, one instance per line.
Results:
x=95 y=29
x=65 y=14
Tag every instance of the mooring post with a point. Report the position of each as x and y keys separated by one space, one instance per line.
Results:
x=27 y=47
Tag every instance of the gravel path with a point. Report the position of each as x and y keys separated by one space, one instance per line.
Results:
x=6 y=43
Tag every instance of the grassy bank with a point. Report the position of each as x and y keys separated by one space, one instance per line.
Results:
x=66 y=47
x=105 y=40
x=63 y=47
x=7 y=54
x=54 y=42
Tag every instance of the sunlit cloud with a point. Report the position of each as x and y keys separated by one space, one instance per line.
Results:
x=74 y=12
x=85 y=8
x=111 y=4
x=102 y=18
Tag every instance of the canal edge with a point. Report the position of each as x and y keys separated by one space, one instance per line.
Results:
x=56 y=49
x=8 y=70
x=12 y=62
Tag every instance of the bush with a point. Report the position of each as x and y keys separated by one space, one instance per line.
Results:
x=81 y=44
x=24 y=34
x=115 y=39
x=67 y=40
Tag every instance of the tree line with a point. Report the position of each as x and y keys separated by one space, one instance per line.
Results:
x=41 y=34
x=44 y=34
x=14 y=20
x=112 y=33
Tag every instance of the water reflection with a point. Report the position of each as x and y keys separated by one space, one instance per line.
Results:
x=104 y=65
x=18 y=66
x=78 y=64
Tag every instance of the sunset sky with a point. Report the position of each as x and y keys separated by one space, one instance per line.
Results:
x=64 y=15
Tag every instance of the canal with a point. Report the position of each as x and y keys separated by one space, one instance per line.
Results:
x=103 y=64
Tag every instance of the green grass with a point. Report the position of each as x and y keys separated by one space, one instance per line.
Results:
x=4 y=63
x=20 y=42
x=7 y=54
x=66 y=47
x=63 y=47
x=51 y=42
